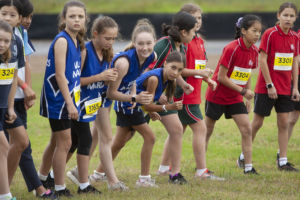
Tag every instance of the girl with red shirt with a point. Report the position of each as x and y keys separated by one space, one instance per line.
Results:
x=233 y=78
x=278 y=54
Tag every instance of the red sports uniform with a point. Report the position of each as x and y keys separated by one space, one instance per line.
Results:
x=281 y=49
x=239 y=60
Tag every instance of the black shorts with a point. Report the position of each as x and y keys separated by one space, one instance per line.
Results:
x=2 y=117
x=190 y=114
x=134 y=119
x=21 y=115
x=215 y=111
x=297 y=103
x=59 y=124
x=81 y=137
x=263 y=104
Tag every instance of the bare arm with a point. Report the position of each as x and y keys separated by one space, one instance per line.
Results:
x=295 y=74
x=11 y=112
x=192 y=72
x=60 y=49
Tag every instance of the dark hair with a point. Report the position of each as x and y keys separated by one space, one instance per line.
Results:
x=190 y=8
x=99 y=25
x=16 y=3
x=27 y=8
x=180 y=21
x=62 y=16
x=143 y=25
x=5 y=57
x=287 y=5
x=174 y=56
x=245 y=22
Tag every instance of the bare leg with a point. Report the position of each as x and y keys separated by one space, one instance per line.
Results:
x=282 y=123
x=4 y=146
x=243 y=123
x=48 y=156
x=256 y=124
x=210 y=125
x=19 y=141
x=293 y=118
x=146 y=153
x=63 y=144
x=83 y=167
x=175 y=131
x=95 y=138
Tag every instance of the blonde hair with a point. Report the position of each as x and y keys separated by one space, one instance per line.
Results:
x=5 y=57
x=143 y=25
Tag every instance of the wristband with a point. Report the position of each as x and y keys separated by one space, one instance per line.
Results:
x=243 y=92
x=133 y=99
x=164 y=108
x=24 y=86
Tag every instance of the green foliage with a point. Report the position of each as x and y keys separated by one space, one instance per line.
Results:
x=165 y=6
x=224 y=148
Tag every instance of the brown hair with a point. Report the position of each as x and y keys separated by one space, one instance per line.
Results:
x=61 y=25
x=99 y=25
x=143 y=25
x=190 y=8
x=5 y=57
x=287 y=5
x=174 y=56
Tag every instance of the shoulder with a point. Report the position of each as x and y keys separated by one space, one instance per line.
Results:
x=270 y=31
x=61 y=42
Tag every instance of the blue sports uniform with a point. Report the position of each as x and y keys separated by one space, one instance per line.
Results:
x=94 y=94
x=53 y=105
x=134 y=71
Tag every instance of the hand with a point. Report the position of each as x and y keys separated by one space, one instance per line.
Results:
x=29 y=94
x=213 y=84
x=249 y=94
x=133 y=105
x=154 y=116
x=272 y=93
x=10 y=116
x=109 y=75
x=144 y=98
x=248 y=106
x=188 y=89
x=163 y=99
x=205 y=72
x=73 y=113
x=295 y=95
x=177 y=105
x=29 y=104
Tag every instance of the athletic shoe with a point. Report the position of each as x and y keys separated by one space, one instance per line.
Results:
x=49 y=182
x=89 y=189
x=163 y=173
x=63 y=193
x=287 y=167
x=97 y=177
x=118 y=186
x=49 y=194
x=251 y=172
x=73 y=175
x=240 y=163
x=209 y=175
x=177 y=179
x=146 y=183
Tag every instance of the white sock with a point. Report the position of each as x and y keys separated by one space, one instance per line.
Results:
x=278 y=151
x=84 y=185
x=42 y=177
x=200 y=171
x=5 y=196
x=99 y=173
x=248 y=167
x=282 y=161
x=143 y=178
x=163 y=168
x=52 y=174
x=60 y=187
x=242 y=156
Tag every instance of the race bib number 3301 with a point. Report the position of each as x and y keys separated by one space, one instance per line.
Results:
x=283 y=61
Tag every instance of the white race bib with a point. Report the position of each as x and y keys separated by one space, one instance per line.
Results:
x=240 y=76
x=200 y=65
x=92 y=106
x=283 y=61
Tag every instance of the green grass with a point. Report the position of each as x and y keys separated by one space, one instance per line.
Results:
x=165 y=6
x=223 y=150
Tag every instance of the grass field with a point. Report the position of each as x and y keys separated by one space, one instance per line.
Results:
x=223 y=150
x=165 y=6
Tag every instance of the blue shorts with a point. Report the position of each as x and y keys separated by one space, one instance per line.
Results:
x=2 y=117
x=21 y=115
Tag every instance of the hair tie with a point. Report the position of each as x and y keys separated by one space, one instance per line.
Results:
x=239 y=22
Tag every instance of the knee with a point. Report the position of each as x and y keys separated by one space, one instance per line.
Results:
x=22 y=144
x=106 y=138
x=246 y=131
x=257 y=124
x=150 y=139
